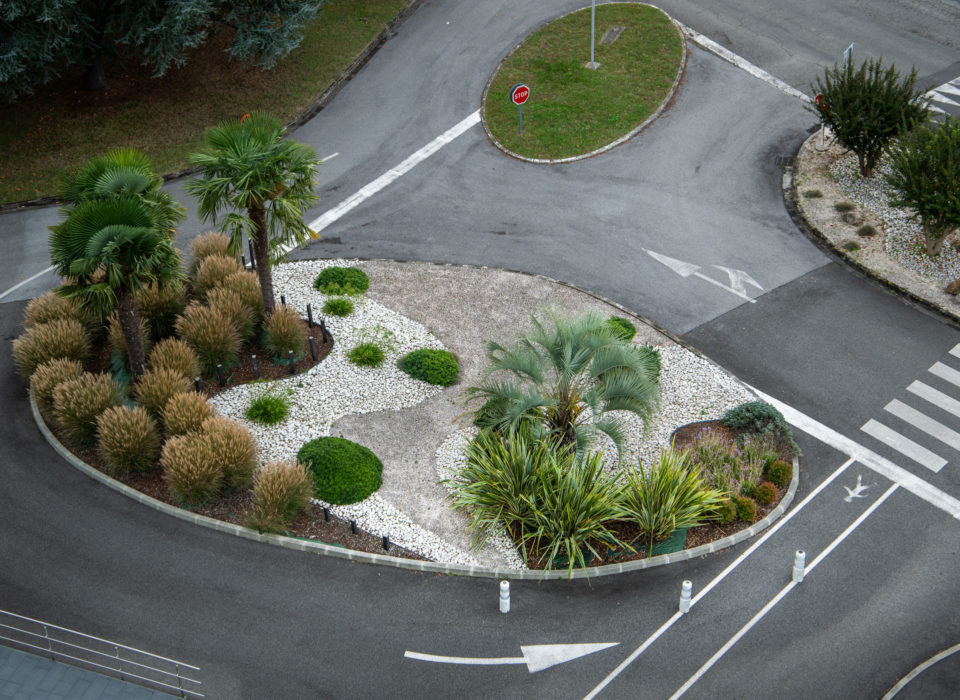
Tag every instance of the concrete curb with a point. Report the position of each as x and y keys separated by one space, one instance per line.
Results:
x=810 y=230
x=299 y=121
x=667 y=100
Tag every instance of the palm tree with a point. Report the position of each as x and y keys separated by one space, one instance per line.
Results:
x=564 y=381
x=123 y=172
x=266 y=183
x=112 y=249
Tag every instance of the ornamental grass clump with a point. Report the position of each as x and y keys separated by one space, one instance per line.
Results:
x=127 y=439
x=270 y=406
x=281 y=490
x=47 y=376
x=231 y=305
x=53 y=307
x=234 y=449
x=64 y=338
x=343 y=471
x=212 y=272
x=78 y=402
x=211 y=335
x=247 y=286
x=190 y=469
x=366 y=355
x=175 y=355
x=438 y=367
x=207 y=245
x=185 y=413
x=157 y=386
x=159 y=308
x=338 y=306
x=285 y=332
x=339 y=280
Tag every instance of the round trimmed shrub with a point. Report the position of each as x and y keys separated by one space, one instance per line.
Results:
x=726 y=512
x=338 y=306
x=843 y=207
x=66 y=338
x=367 y=355
x=234 y=449
x=157 y=386
x=185 y=413
x=765 y=493
x=437 y=367
x=746 y=508
x=190 y=469
x=211 y=335
x=342 y=280
x=47 y=376
x=206 y=245
x=780 y=473
x=622 y=328
x=231 y=305
x=280 y=491
x=159 y=307
x=285 y=332
x=343 y=471
x=175 y=355
x=127 y=439
x=212 y=271
x=78 y=402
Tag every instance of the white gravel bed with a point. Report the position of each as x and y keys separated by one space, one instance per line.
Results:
x=904 y=235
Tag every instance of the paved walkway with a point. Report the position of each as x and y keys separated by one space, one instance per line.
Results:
x=28 y=677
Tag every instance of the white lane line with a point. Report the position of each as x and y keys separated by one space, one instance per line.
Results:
x=922 y=421
x=777 y=598
x=26 y=281
x=914 y=484
x=719 y=577
x=742 y=63
x=329 y=157
x=948 y=373
x=392 y=174
x=904 y=445
x=937 y=398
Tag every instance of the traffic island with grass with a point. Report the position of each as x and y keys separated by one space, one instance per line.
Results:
x=573 y=110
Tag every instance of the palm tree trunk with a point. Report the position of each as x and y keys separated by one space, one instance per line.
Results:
x=261 y=251
x=130 y=325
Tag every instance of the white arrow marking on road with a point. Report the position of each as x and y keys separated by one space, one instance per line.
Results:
x=856 y=491
x=685 y=269
x=537 y=657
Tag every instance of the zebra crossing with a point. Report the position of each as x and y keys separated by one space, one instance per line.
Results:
x=945 y=99
x=932 y=413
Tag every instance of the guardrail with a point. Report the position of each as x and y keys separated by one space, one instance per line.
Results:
x=100 y=655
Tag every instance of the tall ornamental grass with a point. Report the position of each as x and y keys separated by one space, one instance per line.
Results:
x=127 y=439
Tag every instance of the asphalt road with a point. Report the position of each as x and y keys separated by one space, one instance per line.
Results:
x=700 y=185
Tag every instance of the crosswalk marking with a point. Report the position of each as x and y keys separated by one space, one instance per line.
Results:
x=941 y=370
x=955 y=350
x=937 y=398
x=924 y=423
x=946 y=94
x=904 y=445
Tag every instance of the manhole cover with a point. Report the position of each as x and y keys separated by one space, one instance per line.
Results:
x=785 y=161
x=612 y=34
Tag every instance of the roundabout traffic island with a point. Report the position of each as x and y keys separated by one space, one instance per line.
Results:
x=548 y=102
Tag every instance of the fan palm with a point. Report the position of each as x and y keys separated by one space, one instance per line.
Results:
x=565 y=379
x=264 y=181
x=112 y=249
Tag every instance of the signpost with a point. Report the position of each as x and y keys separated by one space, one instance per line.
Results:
x=518 y=95
x=818 y=101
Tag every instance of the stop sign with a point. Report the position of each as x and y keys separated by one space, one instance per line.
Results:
x=519 y=94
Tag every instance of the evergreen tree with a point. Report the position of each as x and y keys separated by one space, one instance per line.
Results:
x=925 y=175
x=40 y=39
x=865 y=108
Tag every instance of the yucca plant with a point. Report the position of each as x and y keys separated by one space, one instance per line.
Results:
x=174 y=354
x=190 y=468
x=234 y=449
x=670 y=494
x=205 y=245
x=213 y=270
x=78 y=402
x=280 y=491
x=211 y=335
x=47 y=376
x=127 y=439
x=157 y=386
x=185 y=413
x=159 y=307
x=285 y=331
x=65 y=338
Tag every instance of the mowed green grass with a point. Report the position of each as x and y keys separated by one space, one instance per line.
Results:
x=60 y=127
x=572 y=109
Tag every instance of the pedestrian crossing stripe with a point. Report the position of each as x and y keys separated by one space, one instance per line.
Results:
x=904 y=445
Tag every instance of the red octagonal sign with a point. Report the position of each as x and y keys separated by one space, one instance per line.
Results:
x=519 y=94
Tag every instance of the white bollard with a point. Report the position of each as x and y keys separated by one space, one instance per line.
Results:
x=504 y=596
x=685 y=591
x=798 y=566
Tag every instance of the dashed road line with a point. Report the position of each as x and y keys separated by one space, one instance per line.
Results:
x=26 y=281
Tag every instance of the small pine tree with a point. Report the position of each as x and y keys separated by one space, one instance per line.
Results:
x=925 y=172
x=866 y=108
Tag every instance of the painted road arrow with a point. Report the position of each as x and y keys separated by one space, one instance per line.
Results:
x=536 y=656
x=738 y=278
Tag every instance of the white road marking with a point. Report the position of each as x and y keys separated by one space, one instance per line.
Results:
x=922 y=421
x=739 y=279
x=955 y=350
x=948 y=373
x=722 y=575
x=329 y=157
x=856 y=491
x=937 y=398
x=777 y=598
x=537 y=657
x=26 y=281
x=685 y=269
x=868 y=458
x=904 y=445
x=920 y=669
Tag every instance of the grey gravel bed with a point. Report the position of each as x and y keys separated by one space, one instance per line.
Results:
x=412 y=426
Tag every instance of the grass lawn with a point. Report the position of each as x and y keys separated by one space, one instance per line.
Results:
x=573 y=110
x=61 y=126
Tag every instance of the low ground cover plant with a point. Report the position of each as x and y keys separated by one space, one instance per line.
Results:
x=372 y=346
x=438 y=367
x=270 y=405
x=338 y=280
x=343 y=471
x=338 y=306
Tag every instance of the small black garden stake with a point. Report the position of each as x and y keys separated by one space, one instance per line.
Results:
x=223 y=382
x=326 y=514
x=253 y=258
x=196 y=384
x=256 y=367
x=313 y=348
x=310 y=317
x=243 y=261
x=293 y=369
x=283 y=300
x=323 y=330
x=386 y=543
x=353 y=526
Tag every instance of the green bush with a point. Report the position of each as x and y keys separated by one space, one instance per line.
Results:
x=280 y=491
x=366 y=355
x=866 y=231
x=746 y=508
x=338 y=306
x=726 y=512
x=190 y=469
x=437 y=367
x=343 y=471
x=175 y=355
x=270 y=406
x=127 y=439
x=78 y=402
x=761 y=418
x=285 y=332
x=185 y=413
x=159 y=308
x=622 y=328
x=765 y=493
x=233 y=449
x=843 y=207
x=342 y=280
x=64 y=338
x=157 y=386
x=211 y=335
x=212 y=272
x=780 y=473
x=47 y=376
x=812 y=194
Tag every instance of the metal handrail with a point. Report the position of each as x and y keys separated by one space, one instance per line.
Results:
x=125 y=672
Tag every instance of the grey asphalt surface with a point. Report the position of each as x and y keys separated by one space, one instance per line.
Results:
x=699 y=185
